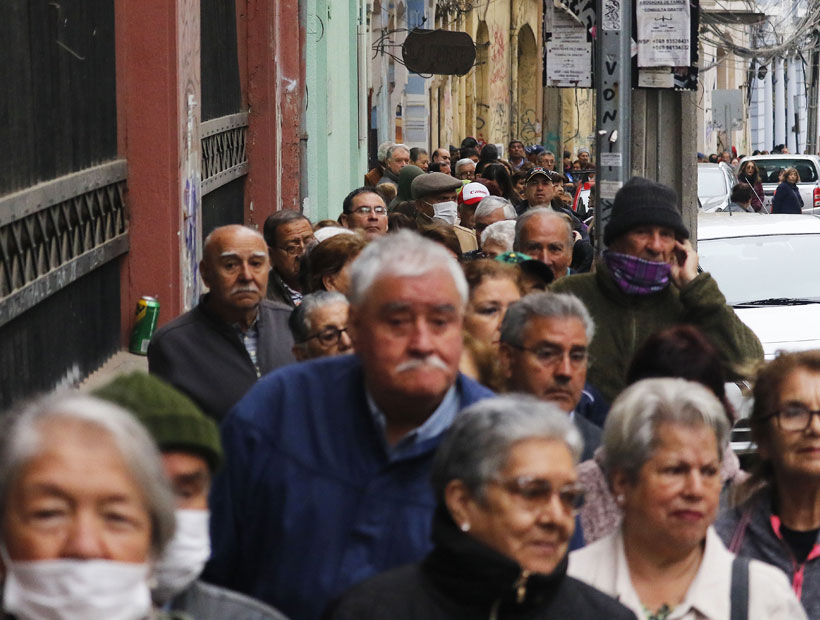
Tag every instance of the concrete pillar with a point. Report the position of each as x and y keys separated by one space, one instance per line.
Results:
x=802 y=110
x=779 y=103
x=768 y=112
x=664 y=141
x=757 y=113
x=791 y=108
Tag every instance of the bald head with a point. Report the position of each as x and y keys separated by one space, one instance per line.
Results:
x=235 y=267
x=547 y=236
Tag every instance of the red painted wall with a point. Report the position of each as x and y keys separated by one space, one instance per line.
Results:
x=275 y=82
x=148 y=124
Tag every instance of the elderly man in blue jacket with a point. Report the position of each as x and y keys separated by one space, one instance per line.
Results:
x=327 y=469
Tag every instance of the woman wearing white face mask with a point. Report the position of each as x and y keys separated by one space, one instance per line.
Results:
x=191 y=451
x=85 y=510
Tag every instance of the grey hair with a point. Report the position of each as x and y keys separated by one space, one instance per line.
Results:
x=395 y=148
x=384 y=147
x=547 y=305
x=491 y=203
x=502 y=232
x=538 y=212
x=463 y=162
x=403 y=254
x=478 y=444
x=21 y=433
x=630 y=431
x=548 y=153
x=299 y=320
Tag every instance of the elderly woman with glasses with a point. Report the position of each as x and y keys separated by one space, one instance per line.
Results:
x=663 y=443
x=86 y=511
x=777 y=518
x=319 y=326
x=507 y=491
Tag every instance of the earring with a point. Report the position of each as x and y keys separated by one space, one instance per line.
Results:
x=619 y=499
x=465 y=527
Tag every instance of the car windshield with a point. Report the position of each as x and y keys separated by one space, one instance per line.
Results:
x=770 y=169
x=749 y=269
x=711 y=183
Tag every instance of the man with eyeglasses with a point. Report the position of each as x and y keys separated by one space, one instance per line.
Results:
x=288 y=234
x=544 y=352
x=364 y=210
x=319 y=326
x=216 y=352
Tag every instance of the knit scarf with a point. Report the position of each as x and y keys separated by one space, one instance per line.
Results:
x=637 y=276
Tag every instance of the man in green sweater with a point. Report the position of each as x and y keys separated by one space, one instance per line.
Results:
x=648 y=280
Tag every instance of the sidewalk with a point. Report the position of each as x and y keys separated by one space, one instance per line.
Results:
x=122 y=362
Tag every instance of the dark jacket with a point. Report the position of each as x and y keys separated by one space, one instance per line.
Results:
x=590 y=433
x=752 y=530
x=787 y=199
x=203 y=601
x=757 y=191
x=310 y=501
x=623 y=322
x=462 y=578
x=204 y=357
x=277 y=291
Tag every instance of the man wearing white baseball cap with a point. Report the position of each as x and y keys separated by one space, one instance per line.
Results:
x=468 y=199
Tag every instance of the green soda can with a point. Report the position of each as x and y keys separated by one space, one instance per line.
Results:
x=145 y=324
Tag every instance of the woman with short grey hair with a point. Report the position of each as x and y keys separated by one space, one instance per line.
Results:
x=507 y=495
x=80 y=480
x=663 y=442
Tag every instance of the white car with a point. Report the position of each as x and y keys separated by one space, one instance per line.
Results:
x=768 y=267
x=715 y=183
x=807 y=166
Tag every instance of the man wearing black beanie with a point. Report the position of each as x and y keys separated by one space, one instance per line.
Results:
x=647 y=281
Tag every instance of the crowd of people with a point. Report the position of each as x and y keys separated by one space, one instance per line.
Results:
x=747 y=194
x=438 y=405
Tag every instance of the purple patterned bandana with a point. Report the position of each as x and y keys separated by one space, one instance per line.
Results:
x=637 y=276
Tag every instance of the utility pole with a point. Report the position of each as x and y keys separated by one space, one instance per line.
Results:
x=613 y=71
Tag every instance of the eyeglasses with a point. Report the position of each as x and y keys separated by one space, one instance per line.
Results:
x=328 y=336
x=298 y=246
x=534 y=492
x=549 y=356
x=368 y=210
x=794 y=417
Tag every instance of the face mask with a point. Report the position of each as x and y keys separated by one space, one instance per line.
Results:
x=184 y=557
x=446 y=211
x=76 y=590
x=637 y=276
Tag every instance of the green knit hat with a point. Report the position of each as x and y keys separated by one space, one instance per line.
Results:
x=173 y=420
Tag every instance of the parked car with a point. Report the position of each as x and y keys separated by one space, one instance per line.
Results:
x=715 y=183
x=763 y=264
x=808 y=167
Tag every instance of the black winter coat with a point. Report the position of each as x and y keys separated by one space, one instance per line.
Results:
x=462 y=578
x=787 y=199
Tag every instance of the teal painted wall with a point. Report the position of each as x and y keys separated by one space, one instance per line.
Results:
x=336 y=162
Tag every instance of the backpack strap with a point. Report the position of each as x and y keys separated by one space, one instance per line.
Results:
x=740 y=589
x=740 y=530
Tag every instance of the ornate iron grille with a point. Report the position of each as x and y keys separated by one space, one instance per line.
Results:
x=55 y=232
x=223 y=150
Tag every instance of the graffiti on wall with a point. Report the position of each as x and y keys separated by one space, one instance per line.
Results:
x=529 y=127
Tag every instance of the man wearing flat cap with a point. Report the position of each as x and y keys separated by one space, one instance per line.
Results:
x=647 y=281
x=435 y=195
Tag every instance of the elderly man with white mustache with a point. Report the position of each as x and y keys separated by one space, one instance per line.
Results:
x=218 y=350
x=328 y=462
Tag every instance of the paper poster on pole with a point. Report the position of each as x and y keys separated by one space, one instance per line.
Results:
x=567 y=29
x=569 y=64
x=664 y=33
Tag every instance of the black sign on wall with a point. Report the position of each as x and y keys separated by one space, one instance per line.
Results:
x=438 y=52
